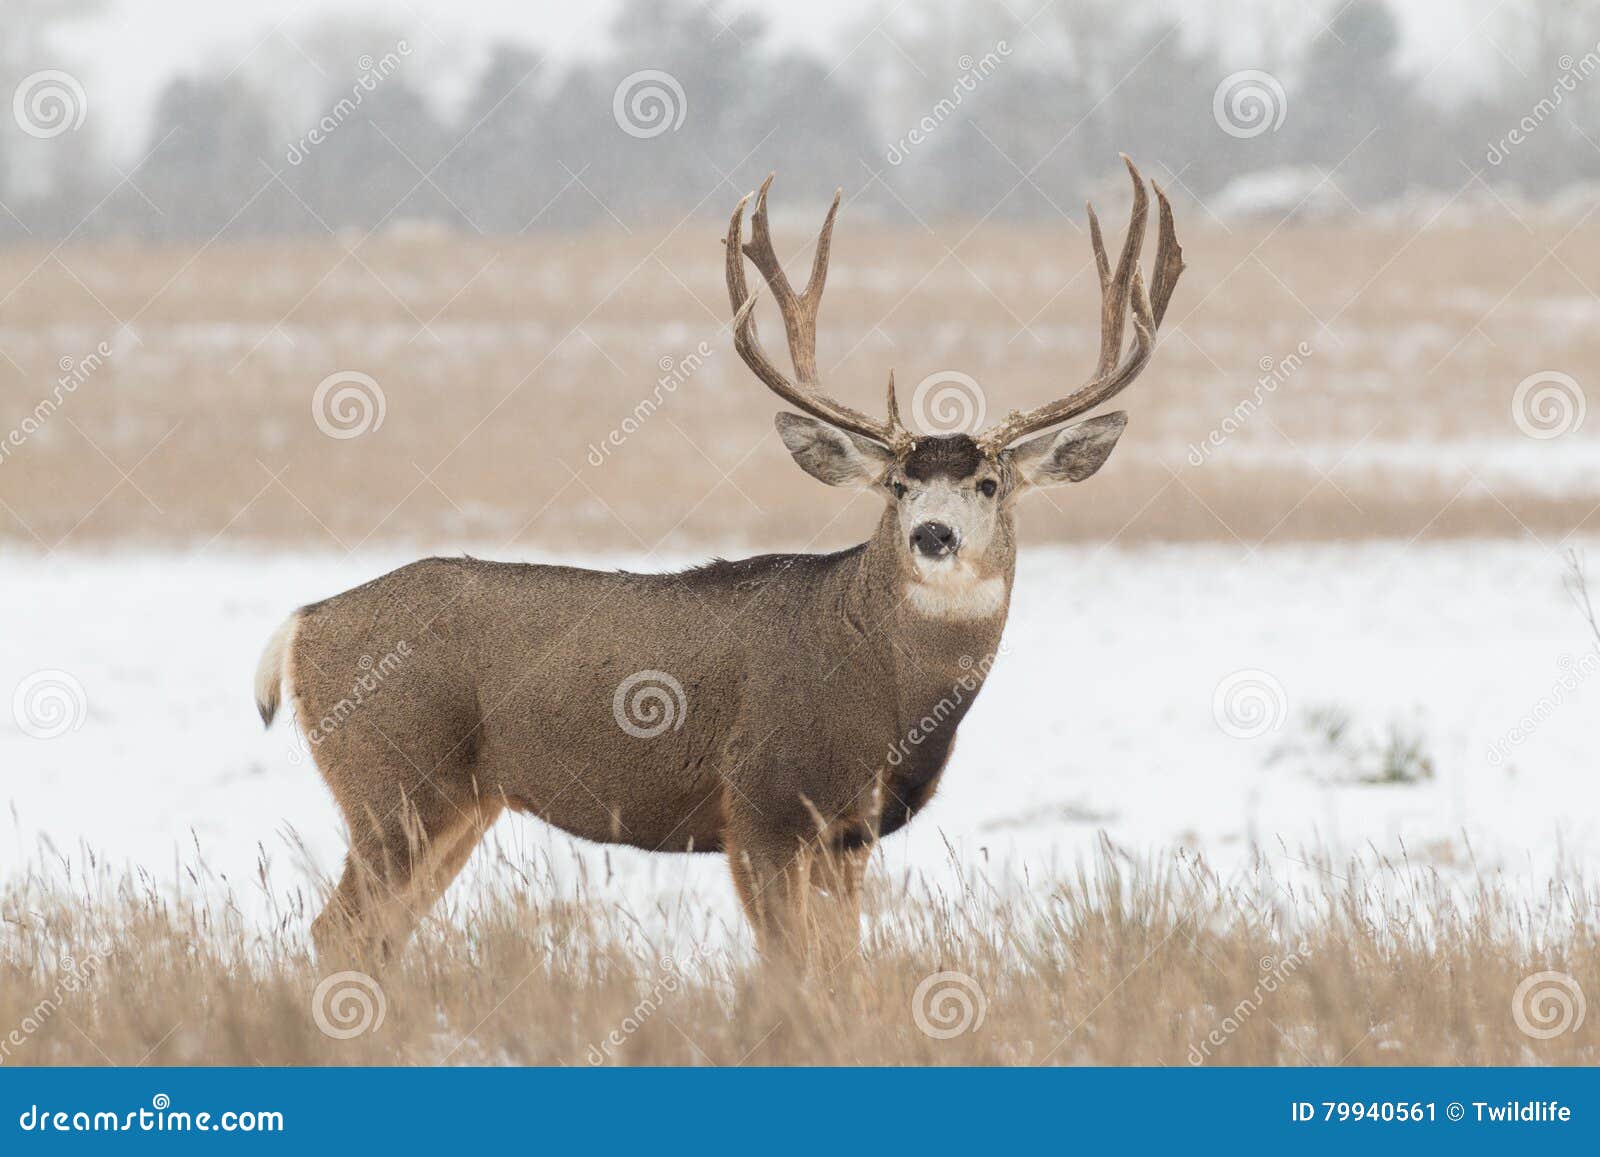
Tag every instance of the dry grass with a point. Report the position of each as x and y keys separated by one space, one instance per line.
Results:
x=504 y=361
x=1131 y=962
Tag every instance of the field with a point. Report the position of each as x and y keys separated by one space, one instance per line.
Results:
x=1290 y=742
x=1134 y=961
x=581 y=393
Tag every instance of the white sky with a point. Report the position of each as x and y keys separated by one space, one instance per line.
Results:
x=126 y=55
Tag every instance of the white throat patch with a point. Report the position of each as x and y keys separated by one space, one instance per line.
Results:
x=955 y=591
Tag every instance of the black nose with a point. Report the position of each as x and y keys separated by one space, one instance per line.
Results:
x=934 y=539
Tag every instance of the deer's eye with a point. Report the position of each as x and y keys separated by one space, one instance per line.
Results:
x=899 y=489
x=987 y=487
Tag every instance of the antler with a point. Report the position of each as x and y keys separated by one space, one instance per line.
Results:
x=1116 y=289
x=799 y=312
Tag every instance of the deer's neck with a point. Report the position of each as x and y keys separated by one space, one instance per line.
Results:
x=931 y=632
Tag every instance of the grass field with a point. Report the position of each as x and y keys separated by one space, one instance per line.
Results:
x=1135 y=960
x=581 y=392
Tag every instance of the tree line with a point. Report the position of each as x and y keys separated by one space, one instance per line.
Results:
x=970 y=114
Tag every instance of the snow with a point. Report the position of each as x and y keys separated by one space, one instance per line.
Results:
x=1276 y=194
x=1100 y=715
x=1558 y=468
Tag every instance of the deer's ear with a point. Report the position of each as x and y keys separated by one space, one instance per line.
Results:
x=1070 y=454
x=830 y=454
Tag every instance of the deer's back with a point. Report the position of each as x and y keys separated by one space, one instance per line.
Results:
x=607 y=702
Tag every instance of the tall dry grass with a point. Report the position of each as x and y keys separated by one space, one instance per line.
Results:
x=508 y=364
x=1130 y=961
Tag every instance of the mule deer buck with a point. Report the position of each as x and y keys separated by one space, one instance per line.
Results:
x=758 y=708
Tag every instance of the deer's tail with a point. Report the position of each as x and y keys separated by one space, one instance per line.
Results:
x=273 y=668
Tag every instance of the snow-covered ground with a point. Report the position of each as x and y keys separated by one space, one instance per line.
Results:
x=1127 y=700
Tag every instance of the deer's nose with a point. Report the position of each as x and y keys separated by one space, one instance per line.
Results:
x=934 y=539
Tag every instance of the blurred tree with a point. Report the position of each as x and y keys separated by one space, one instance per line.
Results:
x=679 y=91
x=975 y=117
x=1543 y=130
x=1352 y=107
x=369 y=164
x=42 y=182
x=732 y=108
x=803 y=124
x=1011 y=152
x=204 y=173
x=1042 y=130
x=688 y=105
x=1161 y=114
x=503 y=170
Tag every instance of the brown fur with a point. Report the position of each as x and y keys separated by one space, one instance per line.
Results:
x=800 y=674
x=952 y=456
x=820 y=694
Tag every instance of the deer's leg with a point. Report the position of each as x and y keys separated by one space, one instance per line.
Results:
x=398 y=865
x=347 y=929
x=429 y=886
x=836 y=880
x=773 y=879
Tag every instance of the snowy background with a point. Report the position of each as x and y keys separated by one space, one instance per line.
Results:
x=1103 y=715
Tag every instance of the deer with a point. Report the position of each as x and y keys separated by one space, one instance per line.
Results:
x=759 y=708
